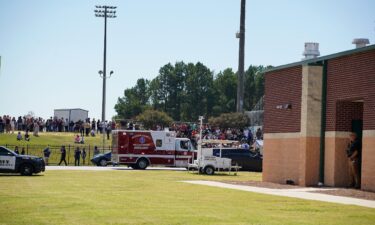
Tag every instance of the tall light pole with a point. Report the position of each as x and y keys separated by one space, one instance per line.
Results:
x=241 y=59
x=106 y=12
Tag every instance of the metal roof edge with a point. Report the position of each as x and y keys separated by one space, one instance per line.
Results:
x=71 y=109
x=322 y=58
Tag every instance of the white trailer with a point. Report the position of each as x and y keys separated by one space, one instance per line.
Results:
x=206 y=162
x=72 y=114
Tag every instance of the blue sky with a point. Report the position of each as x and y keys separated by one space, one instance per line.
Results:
x=51 y=51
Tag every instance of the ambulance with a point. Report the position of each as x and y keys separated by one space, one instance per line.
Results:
x=140 y=149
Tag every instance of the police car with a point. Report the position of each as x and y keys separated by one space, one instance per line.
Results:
x=11 y=162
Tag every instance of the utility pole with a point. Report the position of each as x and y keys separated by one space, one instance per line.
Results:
x=241 y=59
x=106 y=12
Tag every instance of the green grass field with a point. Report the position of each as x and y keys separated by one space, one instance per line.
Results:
x=51 y=138
x=55 y=139
x=156 y=197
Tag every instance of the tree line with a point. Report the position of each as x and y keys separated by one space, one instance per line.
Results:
x=186 y=91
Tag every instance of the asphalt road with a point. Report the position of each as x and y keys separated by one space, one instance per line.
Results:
x=98 y=168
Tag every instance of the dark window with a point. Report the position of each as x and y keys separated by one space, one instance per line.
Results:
x=4 y=151
x=159 y=143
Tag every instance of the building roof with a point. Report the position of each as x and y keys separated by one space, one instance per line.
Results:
x=70 y=109
x=322 y=58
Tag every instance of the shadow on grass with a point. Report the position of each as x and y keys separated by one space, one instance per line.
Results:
x=19 y=175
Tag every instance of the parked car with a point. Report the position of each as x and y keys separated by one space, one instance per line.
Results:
x=102 y=159
x=247 y=159
x=27 y=165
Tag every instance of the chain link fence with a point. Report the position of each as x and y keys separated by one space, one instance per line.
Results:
x=55 y=156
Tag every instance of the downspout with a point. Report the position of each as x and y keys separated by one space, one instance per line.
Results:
x=323 y=124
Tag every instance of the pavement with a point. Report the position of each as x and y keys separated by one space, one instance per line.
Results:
x=301 y=193
x=99 y=168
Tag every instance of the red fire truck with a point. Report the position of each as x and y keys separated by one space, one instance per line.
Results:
x=140 y=149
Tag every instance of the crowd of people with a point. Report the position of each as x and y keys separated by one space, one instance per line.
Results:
x=191 y=131
x=34 y=125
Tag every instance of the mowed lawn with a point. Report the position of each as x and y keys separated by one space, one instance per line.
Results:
x=51 y=138
x=156 y=197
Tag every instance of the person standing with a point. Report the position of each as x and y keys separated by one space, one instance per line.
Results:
x=46 y=153
x=93 y=125
x=109 y=129
x=23 y=151
x=77 y=156
x=83 y=156
x=63 y=155
x=96 y=150
x=12 y=124
x=354 y=155
x=16 y=150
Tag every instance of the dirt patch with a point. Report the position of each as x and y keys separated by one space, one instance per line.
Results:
x=347 y=192
x=262 y=184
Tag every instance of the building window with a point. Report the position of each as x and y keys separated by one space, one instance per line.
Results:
x=159 y=142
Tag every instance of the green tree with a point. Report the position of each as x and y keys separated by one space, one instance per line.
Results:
x=198 y=99
x=134 y=101
x=151 y=118
x=225 y=92
x=167 y=89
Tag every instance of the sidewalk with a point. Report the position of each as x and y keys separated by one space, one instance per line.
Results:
x=302 y=193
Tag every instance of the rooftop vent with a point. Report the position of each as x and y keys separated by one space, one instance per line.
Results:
x=360 y=42
x=311 y=50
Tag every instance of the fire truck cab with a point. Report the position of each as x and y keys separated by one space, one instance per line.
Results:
x=140 y=149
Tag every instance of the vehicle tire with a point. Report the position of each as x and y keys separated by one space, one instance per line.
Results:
x=142 y=164
x=103 y=162
x=209 y=170
x=26 y=170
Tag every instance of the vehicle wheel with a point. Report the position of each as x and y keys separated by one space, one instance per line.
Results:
x=209 y=170
x=103 y=162
x=142 y=164
x=26 y=170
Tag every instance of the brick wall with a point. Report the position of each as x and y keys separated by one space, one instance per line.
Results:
x=346 y=112
x=283 y=87
x=350 y=78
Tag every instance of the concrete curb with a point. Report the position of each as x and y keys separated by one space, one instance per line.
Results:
x=301 y=193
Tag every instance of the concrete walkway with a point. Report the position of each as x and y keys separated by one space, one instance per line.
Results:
x=302 y=193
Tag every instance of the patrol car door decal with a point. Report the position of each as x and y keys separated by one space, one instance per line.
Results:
x=7 y=162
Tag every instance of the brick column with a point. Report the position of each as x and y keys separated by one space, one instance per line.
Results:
x=310 y=125
x=368 y=160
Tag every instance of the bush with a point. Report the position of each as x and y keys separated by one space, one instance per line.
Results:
x=230 y=120
x=151 y=118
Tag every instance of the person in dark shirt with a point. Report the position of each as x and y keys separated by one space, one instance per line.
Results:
x=354 y=154
x=83 y=156
x=16 y=150
x=63 y=155
x=46 y=153
x=77 y=156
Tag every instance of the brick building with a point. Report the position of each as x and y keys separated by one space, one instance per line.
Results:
x=310 y=108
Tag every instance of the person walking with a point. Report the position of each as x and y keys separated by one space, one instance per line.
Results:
x=77 y=156
x=63 y=155
x=83 y=155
